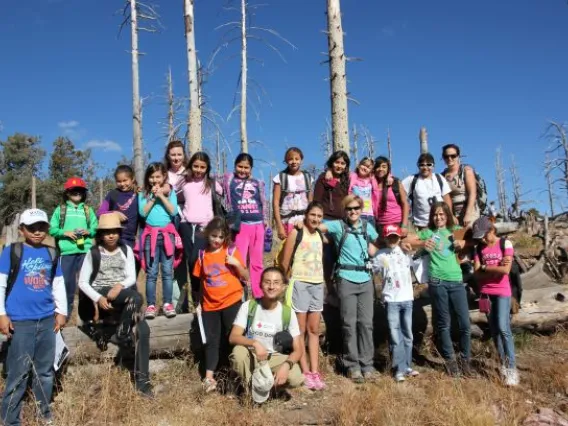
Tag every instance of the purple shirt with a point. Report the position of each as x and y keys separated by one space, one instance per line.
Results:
x=126 y=203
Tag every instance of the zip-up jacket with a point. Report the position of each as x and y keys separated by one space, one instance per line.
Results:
x=74 y=218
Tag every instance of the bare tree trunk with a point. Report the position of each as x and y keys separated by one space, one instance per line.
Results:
x=101 y=192
x=171 y=107
x=501 y=194
x=224 y=156
x=549 y=187
x=136 y=104
x=34 y=196
x=389 y=147
x=218 y=154
x=244 y=76
x=337 y=77
x=423 y=136
x=516 y=183
x=194 y=119
x=354 y=149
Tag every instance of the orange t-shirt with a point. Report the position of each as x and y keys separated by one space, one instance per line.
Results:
x=220 y=283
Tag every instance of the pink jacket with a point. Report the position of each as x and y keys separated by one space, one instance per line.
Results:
x=175 y=250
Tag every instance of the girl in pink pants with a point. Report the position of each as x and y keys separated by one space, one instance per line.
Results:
x=245 y=199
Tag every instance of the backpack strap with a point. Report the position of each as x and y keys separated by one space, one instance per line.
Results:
x=286 y=317
x=396 y=190
x=283 y=176
x=87 y=211
x=440 y=182
x=62 y=214
x=308 y=181
x=299 y=236
x=253 y=304
x=95 y=262
x=413 y=187
x=113 y=200
x=16 y=250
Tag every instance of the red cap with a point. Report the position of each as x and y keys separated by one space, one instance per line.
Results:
x=392 y=230
x=74 y=182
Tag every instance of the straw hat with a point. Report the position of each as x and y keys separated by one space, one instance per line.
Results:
x=109 y=221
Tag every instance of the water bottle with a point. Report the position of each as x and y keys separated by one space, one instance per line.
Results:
x=268 y=240
x=80 y=238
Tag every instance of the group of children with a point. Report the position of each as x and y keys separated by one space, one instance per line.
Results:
x=338 y=232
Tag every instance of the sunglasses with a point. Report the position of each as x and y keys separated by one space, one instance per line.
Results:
x=429 y=165
x=450 y=156
x=353 y=209
x=37 y=227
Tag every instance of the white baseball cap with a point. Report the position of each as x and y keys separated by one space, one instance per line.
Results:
x=262 y=382
x=31 y=216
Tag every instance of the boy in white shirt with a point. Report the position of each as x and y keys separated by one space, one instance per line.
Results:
x=393 y=265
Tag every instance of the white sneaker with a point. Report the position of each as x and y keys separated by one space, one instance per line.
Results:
x=511 y=377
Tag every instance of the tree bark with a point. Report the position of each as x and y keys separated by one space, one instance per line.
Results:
x=244 y=76
x=34 y=196
x=423 y=136
x=337 y=77
x=136 y=104
x=194 y=118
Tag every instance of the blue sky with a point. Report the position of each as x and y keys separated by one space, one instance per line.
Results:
x=481 y=74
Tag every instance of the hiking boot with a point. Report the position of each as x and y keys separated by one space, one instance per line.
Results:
x=356 y=376
x=150 y=312
x=452 y=368
x=309 y=381
x=411 y=373
x=320 y=384
x=399 y=377
x=169 y=310
x=145 y=389
x=465 y=366
x=371 y=375
x=511 y=377
x=124 y=341
x=209 y=385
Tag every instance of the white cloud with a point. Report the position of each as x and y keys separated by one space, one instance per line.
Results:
x=104 y=145
x=65 y=125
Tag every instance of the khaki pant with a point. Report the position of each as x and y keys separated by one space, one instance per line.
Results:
x=243 y=365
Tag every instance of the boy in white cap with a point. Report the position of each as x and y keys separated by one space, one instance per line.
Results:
x=33 y=307
x=393 y=265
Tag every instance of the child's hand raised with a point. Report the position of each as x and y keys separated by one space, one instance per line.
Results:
x=328 y=175
x=121 y=216
x=232 y=261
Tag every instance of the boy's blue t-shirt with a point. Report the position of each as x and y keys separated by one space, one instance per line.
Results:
x=158 y=215
x=354 y=250
x=31 y=296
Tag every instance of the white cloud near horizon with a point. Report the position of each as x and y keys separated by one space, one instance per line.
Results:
x=105 y=145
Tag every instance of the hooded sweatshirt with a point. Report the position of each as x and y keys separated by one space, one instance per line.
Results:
x=74 y=218
x=330 y=195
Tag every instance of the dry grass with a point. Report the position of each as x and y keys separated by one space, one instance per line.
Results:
x=101 y=394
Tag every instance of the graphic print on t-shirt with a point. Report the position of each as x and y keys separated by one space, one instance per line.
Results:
x=215 y=273
x=365 y=192
x=36 y=273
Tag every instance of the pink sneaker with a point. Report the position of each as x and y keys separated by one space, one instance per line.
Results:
x=169 y=310
x=150 y=312
x=309 y=381
x=320 y=384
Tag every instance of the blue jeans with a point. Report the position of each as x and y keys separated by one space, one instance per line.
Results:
x=70 y=267
x=152 y=268
x=500 y=325
x=31 y=350
x=446 y=294
x=399 y=316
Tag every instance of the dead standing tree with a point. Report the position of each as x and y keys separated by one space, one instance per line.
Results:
x=247 y=32
x=423 y=137
x=549 y=185
x=355 y=147
x=556 y=133
x=172 y=126
x=194 y=117
x=389 y=147
x=501 y=192
x=133 y=12
x=337 y=77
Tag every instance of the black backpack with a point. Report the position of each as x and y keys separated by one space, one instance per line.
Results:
x=514 y=275
x=346 y=231
x=396 y=190
x=16 y=251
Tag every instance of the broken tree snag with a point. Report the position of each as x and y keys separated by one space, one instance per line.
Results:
x=337 y=77
x=166 y=336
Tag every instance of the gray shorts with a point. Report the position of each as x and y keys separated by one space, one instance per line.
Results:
x=307 y=297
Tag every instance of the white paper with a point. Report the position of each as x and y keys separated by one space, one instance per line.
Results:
x=61 y=351
x=421 y=268
x=200 y=322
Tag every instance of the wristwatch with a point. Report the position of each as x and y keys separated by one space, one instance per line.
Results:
x=290 y=363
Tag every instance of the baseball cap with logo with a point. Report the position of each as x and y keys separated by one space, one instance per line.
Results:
x=262 y=382
x=481 y=227
x=392 y=230
x=31 y=216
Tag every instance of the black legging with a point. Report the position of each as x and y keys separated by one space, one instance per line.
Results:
x=217 y=325
x=193 y=241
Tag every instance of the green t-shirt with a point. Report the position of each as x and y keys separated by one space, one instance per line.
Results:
x=443 y=262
